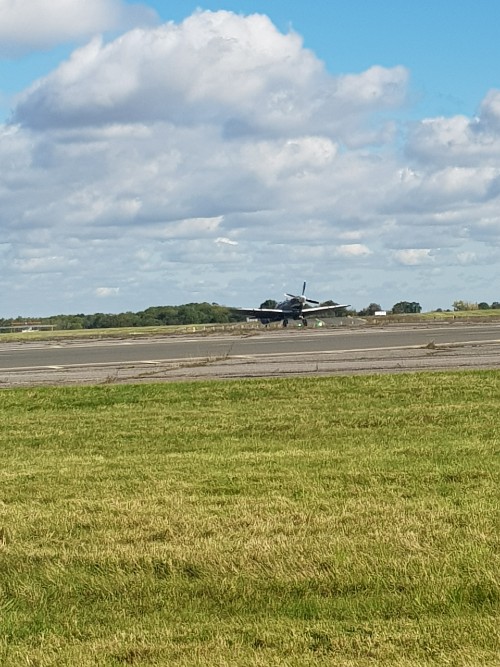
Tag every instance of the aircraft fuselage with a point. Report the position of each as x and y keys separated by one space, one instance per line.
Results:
x=291 y=310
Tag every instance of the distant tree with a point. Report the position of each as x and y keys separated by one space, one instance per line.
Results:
x=65 y=322
x=340 y=312
x=100 y=321
x=220 y=314
x=127 y=319
x=370 y=310
x=464 y=305
x=159 y=315
x=268 y=303
x=190 y=313
x=483 y=305
x=496 y=305
x=406 y=307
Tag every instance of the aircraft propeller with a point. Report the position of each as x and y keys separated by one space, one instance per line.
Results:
x=302 y=298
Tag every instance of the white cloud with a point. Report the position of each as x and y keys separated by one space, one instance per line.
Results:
x=105 y=292
x=489 y=113
x=188 y=228
x=222 y=240
x=367 y=89
x=179 y=74
x=354 y=250
x=43 y=264
x=467 y=257
x=27 y=25
x=460 y=141
x=135 y=164
x=413 y=256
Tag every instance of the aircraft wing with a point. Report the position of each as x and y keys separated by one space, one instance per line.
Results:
x=321 y=311
x=259 y=312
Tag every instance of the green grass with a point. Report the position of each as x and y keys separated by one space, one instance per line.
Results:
x=124 y=332
x=460 y=316
x=336 y=521
x=465 y=314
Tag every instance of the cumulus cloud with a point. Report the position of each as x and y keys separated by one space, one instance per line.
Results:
x=489 y=113
x=467 y=257
x=413 y=256
x=105 y=292
x=179 y=74
x=136 y=164
x=27 y=25
x=222 y=240
x=459 y=141
x=354 y=250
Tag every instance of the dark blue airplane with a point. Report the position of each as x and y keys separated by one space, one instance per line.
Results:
x=293 y=308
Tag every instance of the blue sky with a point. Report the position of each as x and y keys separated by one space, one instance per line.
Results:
x=156 y=154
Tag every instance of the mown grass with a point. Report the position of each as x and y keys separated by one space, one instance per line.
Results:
x=464 y=314
x=459 y=316
x=334 y=521
x=123 y=332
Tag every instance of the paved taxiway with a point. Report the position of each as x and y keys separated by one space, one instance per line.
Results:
x=258 y=354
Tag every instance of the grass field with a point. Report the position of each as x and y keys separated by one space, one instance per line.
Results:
x=338 y=521
x=122 y=332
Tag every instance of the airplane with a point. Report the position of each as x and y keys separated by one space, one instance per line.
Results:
x=293 y=308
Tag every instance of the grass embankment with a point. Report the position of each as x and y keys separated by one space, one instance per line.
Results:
x=339 y=521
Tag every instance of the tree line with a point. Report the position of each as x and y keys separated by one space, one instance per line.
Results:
x=208 y=313
x=414 y=307
x=472 y=305
x=189 y=313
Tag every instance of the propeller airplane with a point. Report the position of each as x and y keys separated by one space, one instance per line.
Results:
x=295 y=307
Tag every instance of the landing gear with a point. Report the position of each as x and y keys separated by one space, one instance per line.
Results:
x=304 y=321
x=285 y=322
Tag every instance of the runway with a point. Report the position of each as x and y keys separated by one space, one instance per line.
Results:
x=266 y=353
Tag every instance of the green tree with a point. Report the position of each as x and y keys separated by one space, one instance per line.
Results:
x=406 y=307
x=370 y=310
x=483 y=305
x=189 y=314
x=340 y=312
x=464 y=305
x=268 y=303
x=159 y=315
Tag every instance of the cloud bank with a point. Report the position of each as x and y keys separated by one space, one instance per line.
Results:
x=217 y=158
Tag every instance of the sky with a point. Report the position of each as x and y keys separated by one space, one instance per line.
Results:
x=159 y=153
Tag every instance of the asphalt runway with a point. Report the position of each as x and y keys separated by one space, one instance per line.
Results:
x=263 y=353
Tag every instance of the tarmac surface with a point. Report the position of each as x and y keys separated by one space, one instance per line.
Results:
x=260 y=353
